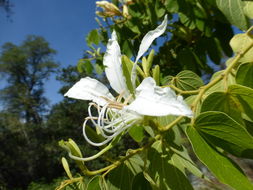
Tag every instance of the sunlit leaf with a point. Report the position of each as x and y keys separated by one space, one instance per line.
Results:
x=247 y=8
x=222 y=131
x=94 y=183
x=137 y=133
x=224 y=102
x=220 y=86
x=233 y=10
x=164 y=174
x=222 y=167
x=181 y=159
x=238 y=43
x=187 y=80
x=245 y=97
x=244 y=75
x=93 y=37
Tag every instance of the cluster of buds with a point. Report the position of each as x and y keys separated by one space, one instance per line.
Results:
x=111 y=10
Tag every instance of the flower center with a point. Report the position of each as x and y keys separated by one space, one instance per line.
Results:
x=111 y=119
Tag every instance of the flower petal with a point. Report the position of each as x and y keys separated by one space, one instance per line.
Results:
x=146 y=42
x=156 y=101
x=150 y=37
x=147 y=83
x=89 y=89
x=113 y=69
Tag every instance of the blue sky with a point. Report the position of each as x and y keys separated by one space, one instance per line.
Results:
x=63 y=23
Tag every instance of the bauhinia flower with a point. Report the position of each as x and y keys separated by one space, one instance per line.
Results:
x=115 y=115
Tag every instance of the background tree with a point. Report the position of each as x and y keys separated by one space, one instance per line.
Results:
x=25 y=69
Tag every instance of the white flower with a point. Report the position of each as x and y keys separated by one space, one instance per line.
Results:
x=114 y=115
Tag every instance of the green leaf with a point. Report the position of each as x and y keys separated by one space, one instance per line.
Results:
x=190 y=99
x=98 y=69
x=120 y=178
x=238 y=43
x=233 y=10
x=213 y=49
x=244 y=74
x=163 y=174
x=247 y=8
x=159 y=9
x=93 y=37
x=135 y=163
x=249 y=126
x=123 y=176
x=221 y=130
x=149 y=130
x=222 y=167
x=187 y=80
x=181 y=159
x=92 y=134
x=224 y=102
x=245 y=97
x=140 y=183
x=94 y=183
x=84 y=66
x=188 y=60
x=137 y=133
x=172 y=6
x=219 y=86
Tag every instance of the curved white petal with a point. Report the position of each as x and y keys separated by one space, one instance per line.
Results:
x=157 y=101
x=150 y=37
x=146 y=42
x=90 y=89
x=147 y=83
x=113 y=68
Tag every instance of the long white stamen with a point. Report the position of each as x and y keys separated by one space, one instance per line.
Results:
x=110 y=121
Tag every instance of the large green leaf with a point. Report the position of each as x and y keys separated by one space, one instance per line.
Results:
x=238 y=43
x=123 y=176
x=94 y=183
x=222 y=131
x=120 y=178
x=187 y=80
x=181 y=159
x=135 y=164
x=163 y=174
x=224 y=102
x=233 y=10
x=140 y=183
x=244 y=96
x=222 y=167
x=247 y=8
x=219 y=86
x=244 y=75
x=137 y=133
x=213 y=49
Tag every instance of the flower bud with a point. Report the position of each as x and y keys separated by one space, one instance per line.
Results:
x=109 y=9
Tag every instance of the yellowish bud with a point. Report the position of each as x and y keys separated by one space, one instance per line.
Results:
x=109 y=9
